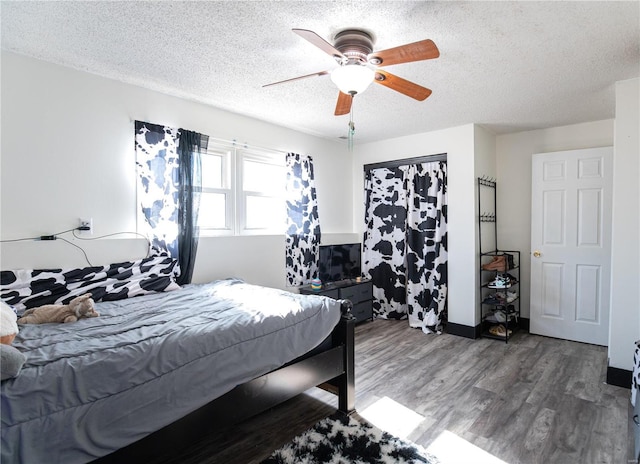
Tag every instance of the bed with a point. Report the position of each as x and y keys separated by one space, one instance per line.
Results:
x=154 y=370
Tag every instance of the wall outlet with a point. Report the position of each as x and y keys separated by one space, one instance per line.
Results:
x=86 y=222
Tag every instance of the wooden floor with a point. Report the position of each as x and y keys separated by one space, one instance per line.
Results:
x=533 y=400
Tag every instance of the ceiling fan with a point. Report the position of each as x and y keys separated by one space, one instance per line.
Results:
x=359 y=64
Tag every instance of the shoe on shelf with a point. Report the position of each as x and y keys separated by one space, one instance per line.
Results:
x=495 y=317
x=511 y=278
x=499 y=331
x=498 y=263
x=499 y=282
x=494 y=258
x=510 y=263
x=507 y=297
x=506 y=278
x=511 y=312
x=490 y=317
x=493 y=300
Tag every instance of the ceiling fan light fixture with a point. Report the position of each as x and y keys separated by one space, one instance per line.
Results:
x=352 y=78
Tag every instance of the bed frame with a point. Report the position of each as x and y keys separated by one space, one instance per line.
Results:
x=333 y=366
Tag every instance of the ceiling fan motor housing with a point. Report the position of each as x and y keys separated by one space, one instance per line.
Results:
x=355 y=44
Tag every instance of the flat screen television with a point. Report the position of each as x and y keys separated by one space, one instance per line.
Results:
x=339 y=262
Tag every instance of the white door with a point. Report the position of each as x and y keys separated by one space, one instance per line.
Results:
x=571 y=244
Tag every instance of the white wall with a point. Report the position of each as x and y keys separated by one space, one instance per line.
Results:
x=484 y=166
x=458 y=144
x=624 y=324
x=68 y=152
x=513 y=166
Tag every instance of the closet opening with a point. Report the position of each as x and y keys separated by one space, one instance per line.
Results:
x=405 y=239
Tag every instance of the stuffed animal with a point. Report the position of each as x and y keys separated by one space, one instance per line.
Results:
x=8 y=326
x=79 y=307
x=11 y=360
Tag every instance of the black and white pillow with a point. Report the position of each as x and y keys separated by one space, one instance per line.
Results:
x=30 y=288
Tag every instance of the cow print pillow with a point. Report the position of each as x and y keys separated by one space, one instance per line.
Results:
x=24 y=289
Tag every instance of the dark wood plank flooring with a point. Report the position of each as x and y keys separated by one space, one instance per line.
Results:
x=533 y=400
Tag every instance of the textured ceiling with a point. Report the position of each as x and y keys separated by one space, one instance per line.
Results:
x=510 y=66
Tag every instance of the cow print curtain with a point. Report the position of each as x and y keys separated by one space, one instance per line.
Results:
x=405 y=242
x=169 y=185
x=385 y=230
x=157 y=163
x=303 y=224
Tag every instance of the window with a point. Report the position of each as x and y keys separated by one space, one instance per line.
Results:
x=215 y=215
x=242 y=192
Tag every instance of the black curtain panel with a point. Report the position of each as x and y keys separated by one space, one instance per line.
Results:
x=190 y=146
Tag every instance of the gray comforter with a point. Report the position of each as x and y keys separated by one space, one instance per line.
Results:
x=93 y=386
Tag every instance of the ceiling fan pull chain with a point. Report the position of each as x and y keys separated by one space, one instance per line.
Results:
x=352 y=129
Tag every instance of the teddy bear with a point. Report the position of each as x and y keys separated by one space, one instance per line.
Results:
x=79 y=307
x=11 y=360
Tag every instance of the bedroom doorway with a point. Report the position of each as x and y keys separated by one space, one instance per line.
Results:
x=405 y=240
x=571 y=194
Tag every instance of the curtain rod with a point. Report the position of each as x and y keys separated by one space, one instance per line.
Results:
x=245 y=145
x=406 y=161
x=233 y=142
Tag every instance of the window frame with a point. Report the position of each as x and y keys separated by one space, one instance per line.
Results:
x=226 y=189
x=236 y=196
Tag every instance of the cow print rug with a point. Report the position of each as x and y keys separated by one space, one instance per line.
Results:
x=340 y=439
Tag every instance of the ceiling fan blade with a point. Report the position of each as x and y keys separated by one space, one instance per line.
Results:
x=319 y=42
x=401 y=85
x=321 y=73
x=344 y=104
x=417 y=51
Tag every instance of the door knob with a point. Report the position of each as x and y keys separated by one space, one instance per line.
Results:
x=537 y=254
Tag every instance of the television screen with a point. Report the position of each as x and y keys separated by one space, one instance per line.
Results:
x=339 y=262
